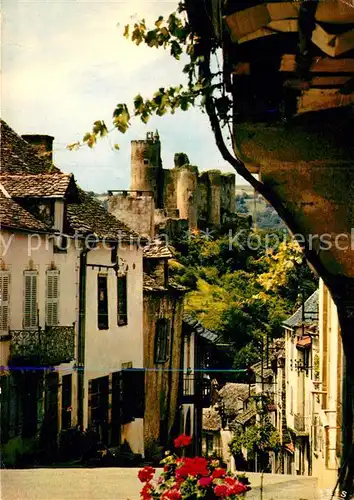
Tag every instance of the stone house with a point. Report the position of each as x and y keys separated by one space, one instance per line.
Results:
x=163 y=314
x=71 y=309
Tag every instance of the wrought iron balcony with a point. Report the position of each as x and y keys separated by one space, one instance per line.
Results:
x=196 y=390
x=51 y=345
x=300 y=423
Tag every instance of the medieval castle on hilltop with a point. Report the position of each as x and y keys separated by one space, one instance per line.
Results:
x=167 y=199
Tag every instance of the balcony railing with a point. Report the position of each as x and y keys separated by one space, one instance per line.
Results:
x=300 y=423
x=51 y=345
x=196 y=390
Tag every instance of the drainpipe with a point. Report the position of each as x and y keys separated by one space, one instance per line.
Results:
x=81 y=337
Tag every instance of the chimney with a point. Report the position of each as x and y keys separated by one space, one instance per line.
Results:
x=42 y=144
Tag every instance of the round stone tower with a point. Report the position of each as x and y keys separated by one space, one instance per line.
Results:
x=187 y=197
x=214 y=177
x=146 y=166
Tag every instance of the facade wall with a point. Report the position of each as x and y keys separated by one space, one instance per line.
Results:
x=137 y=212
x=161 y=383
x=107 y=350
x=327 y=406
x=35 y=252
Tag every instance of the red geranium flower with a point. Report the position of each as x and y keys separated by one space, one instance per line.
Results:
x=172 y=495
x=218 y=473
x=221 y=490
x=145 y=493
x=237 y=488
x=193 y=467
x=182 y=441
x=146 y=474
x=204 y=482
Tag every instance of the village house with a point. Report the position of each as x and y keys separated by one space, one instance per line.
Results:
x=199 y=345
x=326 y=395
x=71 y=310
x=301 y=340
x=163 y=315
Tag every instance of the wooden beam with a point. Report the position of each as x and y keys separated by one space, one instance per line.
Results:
x=319 y=99
x=319 y=65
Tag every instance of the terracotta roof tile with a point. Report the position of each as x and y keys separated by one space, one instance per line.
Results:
x=305 y=342
x=36 y=185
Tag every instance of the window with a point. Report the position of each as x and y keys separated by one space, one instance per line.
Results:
x=146 y=161
x=162 y=340
x=4 y=302
x=102 y=302
x=52 y=298
x=66 y=401
x=122 y=300
x=30 y=315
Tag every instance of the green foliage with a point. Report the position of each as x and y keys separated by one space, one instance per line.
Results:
x=243 y=293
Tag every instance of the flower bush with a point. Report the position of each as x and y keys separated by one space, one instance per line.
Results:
x=186 y=478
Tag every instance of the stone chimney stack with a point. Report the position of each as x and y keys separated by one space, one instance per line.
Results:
x=42 y=144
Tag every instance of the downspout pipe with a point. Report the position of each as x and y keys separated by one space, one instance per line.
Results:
x=81 y=336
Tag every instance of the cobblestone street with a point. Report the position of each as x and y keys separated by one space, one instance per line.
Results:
x=122 y=484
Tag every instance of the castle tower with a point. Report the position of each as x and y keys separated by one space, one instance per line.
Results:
x=227 y=195
x=214 y=196
x=187 y=194
x=146 y=166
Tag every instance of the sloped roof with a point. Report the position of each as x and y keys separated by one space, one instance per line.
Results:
x=211 y=420
x=257 y=369
x=157 y=249
x=13 y=216
x=85 y=215
x=305 y=342
x=245 y=416
x=89 y=216
x=310 y=312
x=151 y=285
x=19 y=157
x=36 y=185
x=200 y=329
x=231 y=394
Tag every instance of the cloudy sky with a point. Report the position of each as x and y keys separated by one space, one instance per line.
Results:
x=66 y=64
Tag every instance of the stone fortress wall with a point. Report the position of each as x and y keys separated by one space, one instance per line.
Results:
x=168 y=199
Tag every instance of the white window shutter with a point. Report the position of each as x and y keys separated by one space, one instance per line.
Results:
x=52 y=298
x=30 y=300
x=4 y=302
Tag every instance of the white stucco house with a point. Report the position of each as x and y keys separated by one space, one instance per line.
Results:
x=71 y=314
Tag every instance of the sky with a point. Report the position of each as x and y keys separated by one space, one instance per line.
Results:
x=66 y=64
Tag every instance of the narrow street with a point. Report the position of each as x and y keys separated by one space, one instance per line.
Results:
x=122 y=484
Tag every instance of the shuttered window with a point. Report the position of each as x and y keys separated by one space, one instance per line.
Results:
x=162 y=340
x=102 y=303
x=4 y=302
x=52 y=298
x=122 y=304
x=30 y=317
